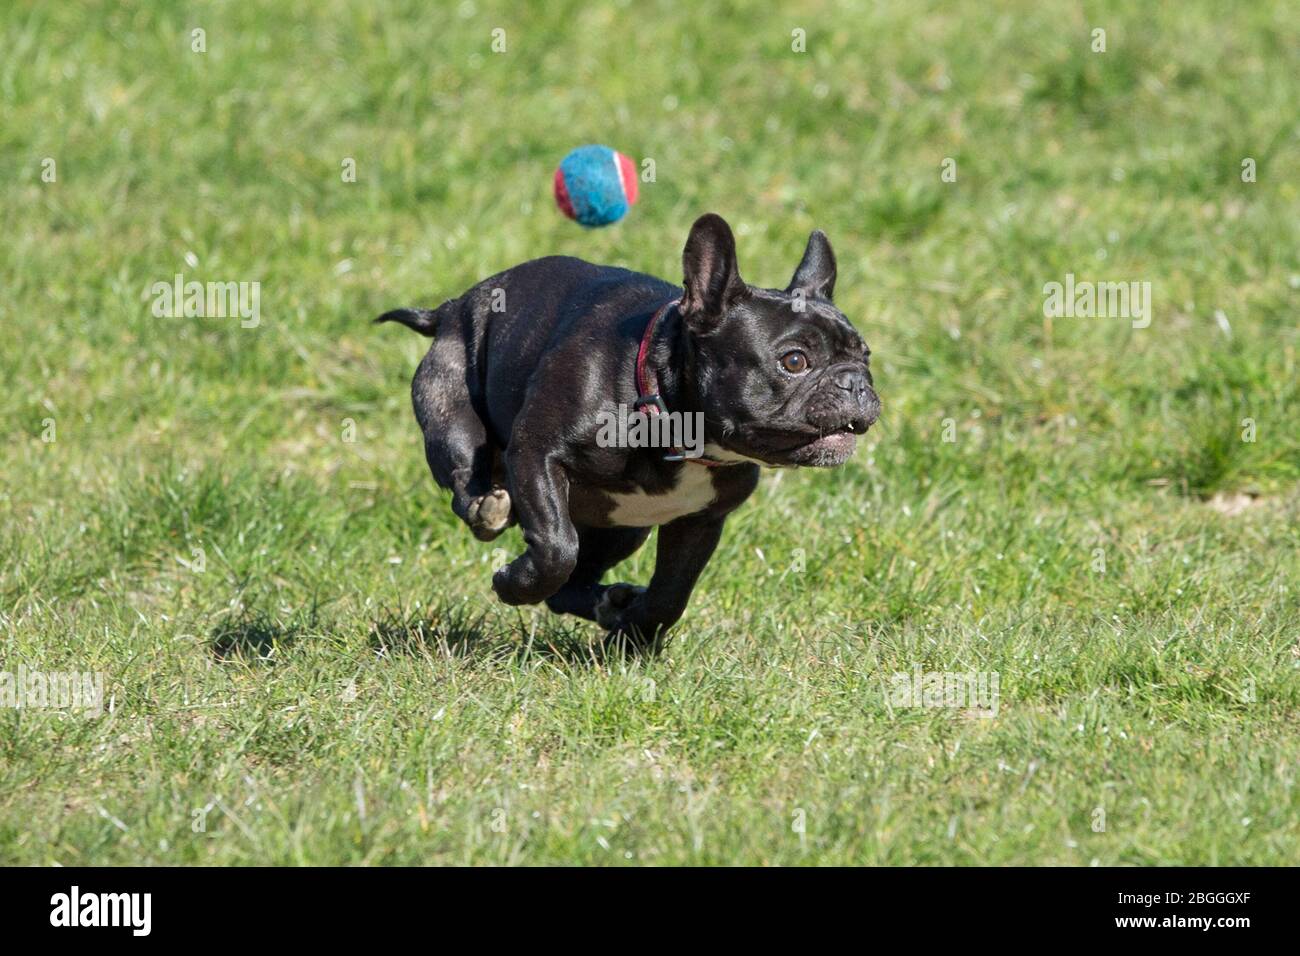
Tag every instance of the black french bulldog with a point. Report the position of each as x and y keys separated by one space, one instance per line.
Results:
x=511 y=394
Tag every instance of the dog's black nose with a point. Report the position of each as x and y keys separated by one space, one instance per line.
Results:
x=852 y=378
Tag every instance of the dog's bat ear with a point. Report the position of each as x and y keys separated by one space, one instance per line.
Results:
x=712 y=278
x=816 y=273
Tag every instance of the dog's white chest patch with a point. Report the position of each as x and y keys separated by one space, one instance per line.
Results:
x=693 y=492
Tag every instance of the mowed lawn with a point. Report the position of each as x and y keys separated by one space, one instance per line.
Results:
x=302 y=658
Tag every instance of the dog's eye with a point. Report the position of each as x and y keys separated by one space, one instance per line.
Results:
x=794 y=362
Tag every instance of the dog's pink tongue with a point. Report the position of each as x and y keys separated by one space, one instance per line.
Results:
x=827 y=451
x=836 y=443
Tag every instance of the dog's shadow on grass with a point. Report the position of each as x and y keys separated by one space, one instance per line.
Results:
x=469 y=634
x=251 y=636
x=454 y=631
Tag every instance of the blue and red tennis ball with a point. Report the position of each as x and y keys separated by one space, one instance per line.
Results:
x=595 y=185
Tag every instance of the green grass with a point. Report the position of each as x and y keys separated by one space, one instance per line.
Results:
x=340 y=686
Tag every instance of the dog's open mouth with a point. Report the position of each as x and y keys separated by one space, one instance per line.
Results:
x=821 y=448
x=829 y=448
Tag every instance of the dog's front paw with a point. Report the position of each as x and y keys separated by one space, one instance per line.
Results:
x=614 y=604
x=488 y=515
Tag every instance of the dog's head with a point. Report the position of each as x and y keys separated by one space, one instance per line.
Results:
x=782 y=376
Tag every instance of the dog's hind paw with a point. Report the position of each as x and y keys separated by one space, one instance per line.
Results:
x=616 y=599
x=488 y=515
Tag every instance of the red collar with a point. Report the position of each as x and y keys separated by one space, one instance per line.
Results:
x=647 y=388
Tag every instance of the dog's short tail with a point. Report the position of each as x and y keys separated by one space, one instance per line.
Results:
x=424 y=321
